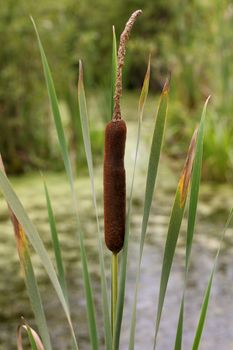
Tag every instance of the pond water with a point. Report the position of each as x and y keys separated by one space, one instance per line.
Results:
x=215 y=201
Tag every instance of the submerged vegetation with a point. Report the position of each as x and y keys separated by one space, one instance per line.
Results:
x=26 y=233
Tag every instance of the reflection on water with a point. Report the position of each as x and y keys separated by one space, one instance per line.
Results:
x=214 y=204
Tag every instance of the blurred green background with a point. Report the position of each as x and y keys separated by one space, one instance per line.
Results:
x=192 y=39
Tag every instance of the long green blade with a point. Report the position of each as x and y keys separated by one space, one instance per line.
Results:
x=152 y=171
x=205 y=303
x=114 y=69
x=123 y=267
x=174 y=229
x=195 y=184
x=172 y=236
x=35 y=299
x=142 y=101
x=56 y=244
x=194 y=192
x=54 y=107
x=32 y=287
x=203 y=314
x=63 y=146
x=179 y=331
x=155 y=152
x=29 y=276
x=87 y=145
x=34 y=238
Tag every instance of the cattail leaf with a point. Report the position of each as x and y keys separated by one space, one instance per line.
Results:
x=29 y=275
x=203 y=314
x=194 y=191
x=34 y=338
x=54 y=107
x=205 y=303
x=114 y=69
x=31 y=284
x=33 y=292
x=56 y=244
x=35 y=240
x=123 y=267
x=155 y=151
x=141 y=105
x=150 y=184
x=195 y=184
x=174 y=228
x=63 y=146
x=144 y=92
x=179 y=331
x=187 y=171
x=87 y=144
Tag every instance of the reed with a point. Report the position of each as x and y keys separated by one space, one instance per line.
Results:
x=117 y=220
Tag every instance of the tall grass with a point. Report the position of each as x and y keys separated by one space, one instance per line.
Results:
x=25 y=231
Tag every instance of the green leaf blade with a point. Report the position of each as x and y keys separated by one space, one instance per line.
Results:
x=204 y=307
x=35 y=299
x=174 y=229
x=123 y=266
x=29 y=275
x=154 y=158
x=172 y=236
x=141 y=105
x=55 y=109
x=195 y=184
x=35 y=240
x=155 y=152
x=194 y=192
x=202 y=318
x=179 y=331
x=63 y=146
x=56 y=244
x=87 y=145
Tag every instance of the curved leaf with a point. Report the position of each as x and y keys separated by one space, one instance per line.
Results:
x=174 y=229
x=123 y=266
x=87 y=144
x=194 y=191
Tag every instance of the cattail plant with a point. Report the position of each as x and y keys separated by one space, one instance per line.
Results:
x=116 y=220
x=114 y=171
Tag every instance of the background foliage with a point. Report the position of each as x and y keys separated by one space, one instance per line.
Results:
x=191 y=39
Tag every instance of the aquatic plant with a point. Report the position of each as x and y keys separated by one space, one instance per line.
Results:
x=117 y=223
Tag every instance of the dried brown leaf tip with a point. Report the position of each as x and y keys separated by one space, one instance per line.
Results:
x=19 y=232
x=187 y=170
x=145 y=87
x=120 y=62
x=2 y=168
x=166 y=85
x=20 y=235
x=80 y=78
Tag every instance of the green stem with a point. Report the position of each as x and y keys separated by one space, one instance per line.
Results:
x=114 y=288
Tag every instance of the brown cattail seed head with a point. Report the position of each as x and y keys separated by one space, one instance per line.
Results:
x=114 y=150
x=114 y=185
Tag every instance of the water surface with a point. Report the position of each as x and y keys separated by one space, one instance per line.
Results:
x=214 y=205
